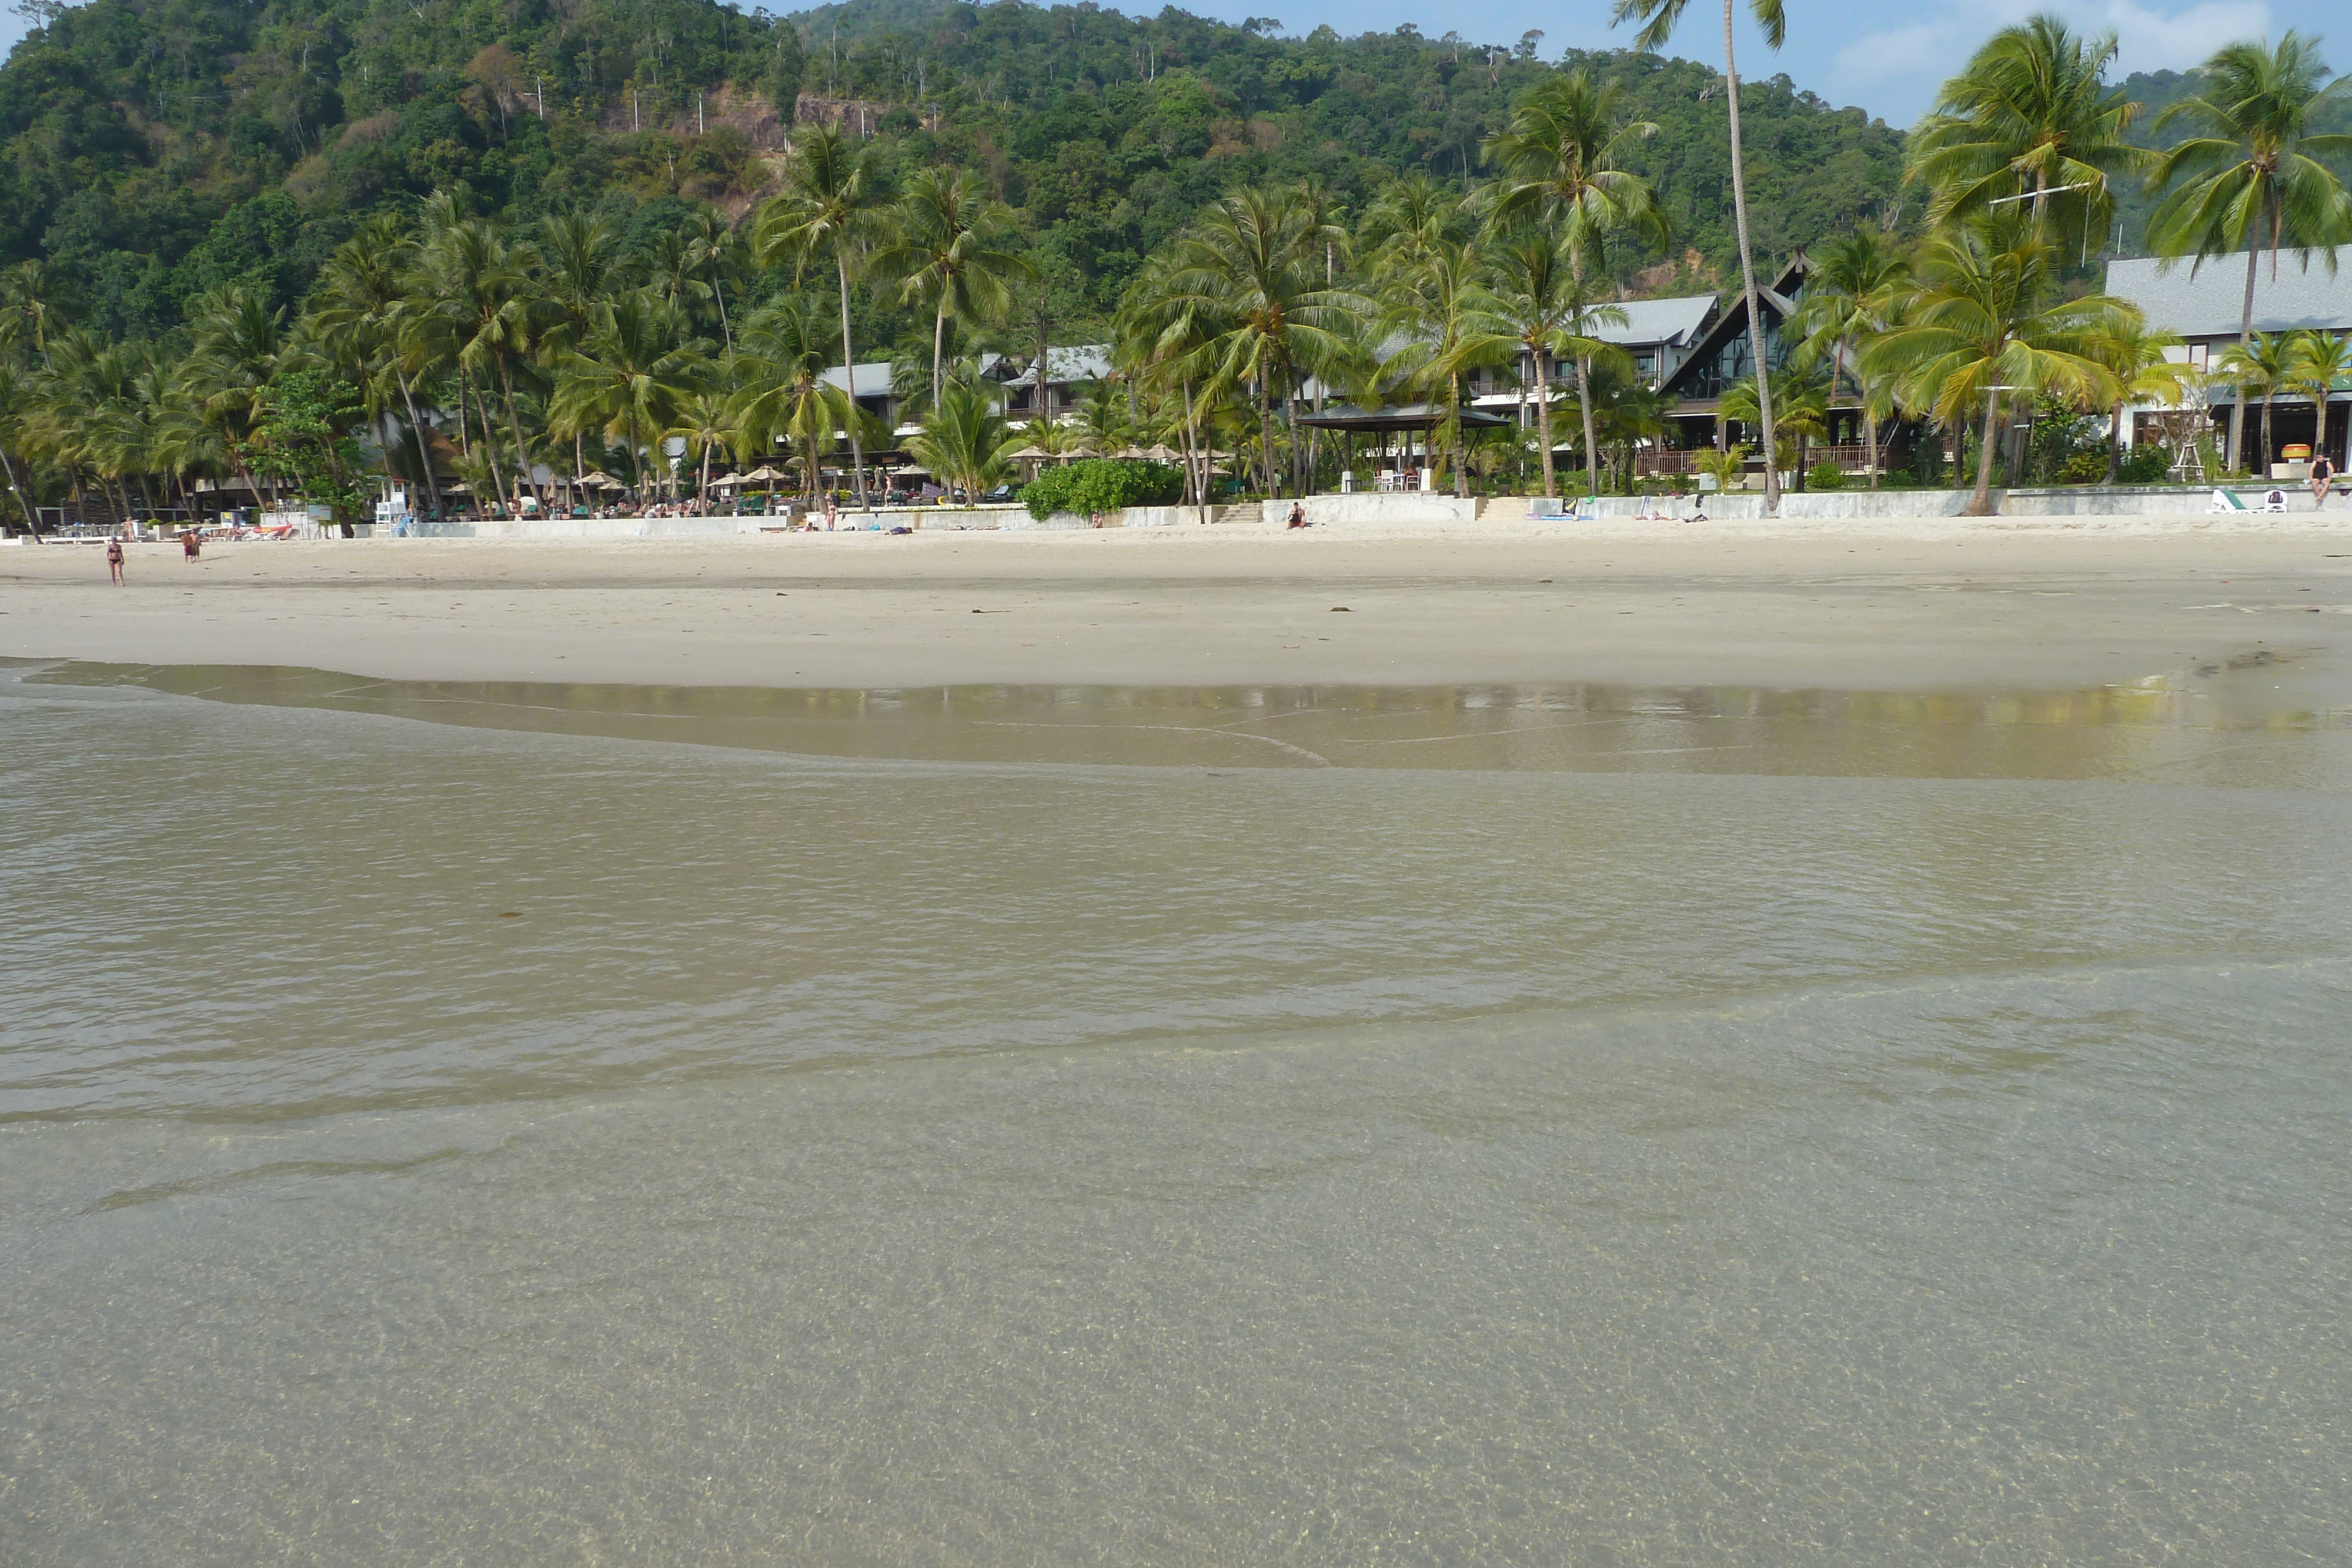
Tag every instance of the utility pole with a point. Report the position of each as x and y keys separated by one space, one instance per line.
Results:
x=697 y=111
x=632 y=108
x=542 y=96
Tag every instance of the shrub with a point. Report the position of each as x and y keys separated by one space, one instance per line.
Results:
x=1102 y=485
x=2147 y=464
x=1825 y=477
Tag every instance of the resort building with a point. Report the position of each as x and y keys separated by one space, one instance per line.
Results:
x=2204 y=306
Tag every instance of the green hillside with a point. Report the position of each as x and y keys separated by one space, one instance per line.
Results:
x=151 y=149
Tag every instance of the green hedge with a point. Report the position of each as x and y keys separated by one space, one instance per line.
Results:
x=1102 y=485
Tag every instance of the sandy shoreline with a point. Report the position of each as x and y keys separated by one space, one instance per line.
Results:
x=1980 y=607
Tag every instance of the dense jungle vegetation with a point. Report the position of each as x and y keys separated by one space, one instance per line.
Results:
x=155 y=150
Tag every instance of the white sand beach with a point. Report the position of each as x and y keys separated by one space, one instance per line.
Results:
x=1934 y=604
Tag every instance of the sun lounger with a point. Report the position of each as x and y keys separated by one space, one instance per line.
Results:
x=2230 y=501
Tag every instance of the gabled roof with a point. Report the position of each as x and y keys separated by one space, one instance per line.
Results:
x=1777 y=300
x=1660 y=322
x=873 y=378
x=2206 y=303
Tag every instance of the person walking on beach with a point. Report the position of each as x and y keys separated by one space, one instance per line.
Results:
x=2323 y=475
x=190 y=545
x=115 y=561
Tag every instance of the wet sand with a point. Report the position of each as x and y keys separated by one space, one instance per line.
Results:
x=1970 y=609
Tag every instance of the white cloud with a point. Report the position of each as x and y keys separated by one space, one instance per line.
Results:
x=1899 y=52
x=2154 y=40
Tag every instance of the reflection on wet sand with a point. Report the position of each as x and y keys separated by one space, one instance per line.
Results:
x=2208 y=725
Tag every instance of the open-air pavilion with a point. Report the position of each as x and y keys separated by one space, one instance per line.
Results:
x=1403 y=419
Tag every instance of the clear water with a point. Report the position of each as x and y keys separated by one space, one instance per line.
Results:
x=1077 y=1125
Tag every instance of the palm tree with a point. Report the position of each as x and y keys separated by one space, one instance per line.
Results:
x=781 y=393
x=1535 y=303
x=706 y=425
x=35 y=299
x=2031 y=115
x=1159 y=331
x=965 y=441
x=2249 y=175
x=948 y=248
x=714 y=253
x=239 y=337
x=1852 y=292
x=831 y=207
x=2321 y=360
x=1661 y=16
x=2265 y=364
x=1254 y=261
x=14 y=397
x=1985 y=321
x=2144 y=373
x=1804 y=414
x=631 y=376
x=1441 y=309
x=354 y=317
x=482 y=285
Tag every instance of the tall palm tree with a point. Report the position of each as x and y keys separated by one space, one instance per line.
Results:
x=629 y=379
x=831 y=208
x=482 y=284
x=1856 y=284
x=35 y=299
x=1255 y=261
x=781 y=393
x=714 y=254
x=1534 y=303
x=355 y=314
x=2031 y=116
x=1659 y=16
x=239 y=337
x=14 y=398
x=1986 y=320
x=1440 y=307
x=1159 y=331
x=1559 y=156
x=948 y=247
x=2249 y=175
x=1804 y=408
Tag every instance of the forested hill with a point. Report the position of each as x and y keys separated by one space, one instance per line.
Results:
x=153 y=149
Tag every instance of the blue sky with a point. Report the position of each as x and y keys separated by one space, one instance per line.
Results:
x=1888 y=56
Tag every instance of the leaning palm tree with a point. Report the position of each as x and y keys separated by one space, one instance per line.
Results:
x=354 y=318
x=965 y=441
x=831 y=209
x=714 y=254
x=1659 y=16
x=949 y=249
x=1985 y=322
x=1855 y=285
x=705 y=424
x=2030 y=117
x=631 y=376
x=2250 y=173
x=14 y=397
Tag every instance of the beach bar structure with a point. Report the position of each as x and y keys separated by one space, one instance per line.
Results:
x=1397 y=420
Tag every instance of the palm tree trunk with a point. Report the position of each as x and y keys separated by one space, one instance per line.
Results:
x=2115 y=446
x=939 y=346
x=1198 y=457
x=1980 y=503
x=1461 y=469
x=2262 y=470
x=1592 y=441
x=719 y=292
x=1870 y=439
x=2245 y=343
x=514 y=421
x=1748 y=276
x=1543 y=417
x=425 y=454
x=849 y=379
x=32 y=524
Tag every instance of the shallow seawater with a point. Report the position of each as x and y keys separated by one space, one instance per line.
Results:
x=1317 y=1125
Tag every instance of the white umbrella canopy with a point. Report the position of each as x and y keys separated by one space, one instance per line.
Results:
x=599 y=480
x=762 y=473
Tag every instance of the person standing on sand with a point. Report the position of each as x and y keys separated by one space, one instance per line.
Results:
x=2323 y=475
x=190 y=545
x=115 y=561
